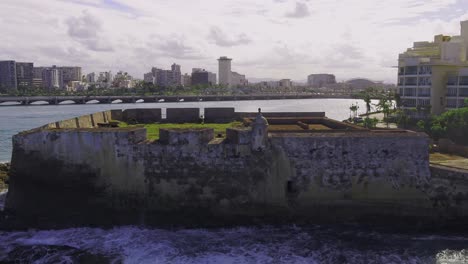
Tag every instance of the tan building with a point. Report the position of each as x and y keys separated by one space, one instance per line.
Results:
x=435 y=74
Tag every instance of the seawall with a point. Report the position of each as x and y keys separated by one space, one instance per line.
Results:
x=102 y=175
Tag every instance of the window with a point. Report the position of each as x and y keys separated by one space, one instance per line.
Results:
x=452 y=80
x=451 y=91
x=411 y=81
x=411 y=70
x=463 y=92
x=425 y=70
x=424 y=102
x=401 y=81
x=423 y=81
x=410 y=92
x=451 y=103
x=409 y=102
x=426 y=92
x=463 y=80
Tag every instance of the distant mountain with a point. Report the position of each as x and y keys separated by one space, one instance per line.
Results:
x=257 y=80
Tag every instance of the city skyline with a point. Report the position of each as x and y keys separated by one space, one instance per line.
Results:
x=267 y=39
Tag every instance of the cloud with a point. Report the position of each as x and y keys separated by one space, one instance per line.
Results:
x=301 y=10
x=223 y=40
x=176 y=48
x=86 y=30
x=262 y=37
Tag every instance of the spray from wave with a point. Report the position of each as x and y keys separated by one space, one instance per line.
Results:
x=317 y=244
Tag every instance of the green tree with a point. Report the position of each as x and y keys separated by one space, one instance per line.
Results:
x=370 y=122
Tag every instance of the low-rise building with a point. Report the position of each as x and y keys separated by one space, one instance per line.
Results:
x=203 y=77
x=320 y=80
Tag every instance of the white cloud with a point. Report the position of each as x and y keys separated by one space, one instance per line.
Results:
x=301 y=10
x=353 y=38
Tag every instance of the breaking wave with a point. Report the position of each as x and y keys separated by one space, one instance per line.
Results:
x=316 y=244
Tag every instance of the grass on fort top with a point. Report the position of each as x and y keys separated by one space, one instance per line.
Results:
x=152 y=130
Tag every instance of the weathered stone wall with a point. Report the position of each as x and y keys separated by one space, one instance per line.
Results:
x=449 y=191
x=365 y=168
x=142 y=115
x=219 y=115
x=183 y=115
x=186 y=136
x=330 y=176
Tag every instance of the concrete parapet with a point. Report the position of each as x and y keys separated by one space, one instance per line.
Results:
x=69 y=123
x=186 y=136
x=97 y=118
x=116 y=114
x=183 y=115
x=219 y=115
x=142 y=115
x=240 y=136
x=84 y=121
x=241 y=115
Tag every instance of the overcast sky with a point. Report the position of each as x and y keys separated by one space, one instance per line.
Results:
x=265 y=38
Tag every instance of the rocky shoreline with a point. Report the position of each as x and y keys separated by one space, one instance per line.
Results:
x=4 y=168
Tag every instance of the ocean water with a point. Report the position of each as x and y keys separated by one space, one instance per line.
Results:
x=266 y=244
x=14 y=119
x=259 y=244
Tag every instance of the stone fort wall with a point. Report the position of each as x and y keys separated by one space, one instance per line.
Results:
x=320 y=176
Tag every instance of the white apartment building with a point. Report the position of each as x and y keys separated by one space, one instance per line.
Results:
x=435 y=73
x=224 y=71
x=238 y=79
x=227 y=77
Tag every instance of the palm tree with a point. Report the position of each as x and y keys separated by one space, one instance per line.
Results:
x=367 y=100
x=353 y=109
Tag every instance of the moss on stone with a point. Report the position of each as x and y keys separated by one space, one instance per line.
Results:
x=4 y=168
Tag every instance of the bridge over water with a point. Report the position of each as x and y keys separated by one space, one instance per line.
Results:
x=102 y=99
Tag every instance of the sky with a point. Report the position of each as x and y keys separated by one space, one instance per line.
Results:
x=266 y=38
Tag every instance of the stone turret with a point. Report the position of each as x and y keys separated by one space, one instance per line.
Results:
x=259 y=132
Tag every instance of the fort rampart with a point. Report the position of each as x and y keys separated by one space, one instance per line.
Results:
x=75 y=168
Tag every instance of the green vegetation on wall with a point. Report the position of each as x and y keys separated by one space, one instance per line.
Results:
x=152 y=130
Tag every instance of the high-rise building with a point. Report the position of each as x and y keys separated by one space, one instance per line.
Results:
x=187 y=80
x=8 y=80
x=91 y=77
x=166 y=78
x=52 y=78
x=123 y=80
x=149 y=78
x=203 y=77
x=224 y=71
x=70 y=74
x=176 y=75
x=435 y=74
x=24 y=74
x=320 y=80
